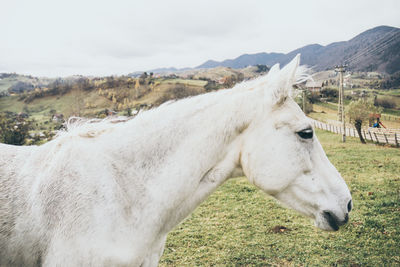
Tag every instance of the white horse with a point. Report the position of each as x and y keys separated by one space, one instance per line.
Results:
x=107 y=194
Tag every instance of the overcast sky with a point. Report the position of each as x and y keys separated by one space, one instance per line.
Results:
x=100 y=37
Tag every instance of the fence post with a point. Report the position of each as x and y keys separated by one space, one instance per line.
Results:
x=385 y=138
x=377 y=140
x=370 y=135
x=395 y=139
x=365 y=136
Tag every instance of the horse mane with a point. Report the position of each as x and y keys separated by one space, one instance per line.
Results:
x=89 y=127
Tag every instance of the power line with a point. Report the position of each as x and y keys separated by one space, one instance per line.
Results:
x=376 y=49
x=387 y=35
x=370 y=50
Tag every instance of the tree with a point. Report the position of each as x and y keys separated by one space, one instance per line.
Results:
x=262 y=68
x=359 y=111
x=13 y=131
x=306 y=105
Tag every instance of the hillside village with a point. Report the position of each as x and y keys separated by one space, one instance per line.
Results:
x=42 y=108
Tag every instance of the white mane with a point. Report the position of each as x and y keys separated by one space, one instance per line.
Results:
x=86 y=127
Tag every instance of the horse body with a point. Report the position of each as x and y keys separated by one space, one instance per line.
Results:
x=109 y=195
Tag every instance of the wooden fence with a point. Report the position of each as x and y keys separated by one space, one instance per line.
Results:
x=380 y=136
x=390 y=118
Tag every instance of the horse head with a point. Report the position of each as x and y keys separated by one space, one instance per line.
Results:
x=281 y=155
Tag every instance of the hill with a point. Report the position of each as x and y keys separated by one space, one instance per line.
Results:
x=377 y=49
x=11 y=82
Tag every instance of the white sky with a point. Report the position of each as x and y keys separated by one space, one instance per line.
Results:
x=100 y=37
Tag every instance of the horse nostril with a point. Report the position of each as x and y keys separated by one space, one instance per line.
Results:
x=331 y=219
x=349 y=205
x=346 y=218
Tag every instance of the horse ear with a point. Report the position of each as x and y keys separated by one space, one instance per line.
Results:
x=274 y=70
x=281 y=85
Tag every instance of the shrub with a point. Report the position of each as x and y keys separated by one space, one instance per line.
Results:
x=176 y=92
x=385 y=103
x=329 y=93
x=13 y=130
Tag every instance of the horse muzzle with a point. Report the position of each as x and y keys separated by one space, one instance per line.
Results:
x=331 y=221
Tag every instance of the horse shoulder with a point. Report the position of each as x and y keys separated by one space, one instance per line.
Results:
x=13 y=205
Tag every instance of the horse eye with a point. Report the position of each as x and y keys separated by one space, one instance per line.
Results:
x=306 y=133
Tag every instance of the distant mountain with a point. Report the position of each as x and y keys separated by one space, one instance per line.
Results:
x=377 y=49
x=245 y=60
x=159 y=70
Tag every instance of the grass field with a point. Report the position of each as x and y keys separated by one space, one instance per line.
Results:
x=235 y=226
x=199 y=83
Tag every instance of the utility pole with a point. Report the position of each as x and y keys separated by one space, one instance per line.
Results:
x=341 y=69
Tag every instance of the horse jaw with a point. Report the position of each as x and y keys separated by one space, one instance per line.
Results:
x=293 y=170
x=319 y=192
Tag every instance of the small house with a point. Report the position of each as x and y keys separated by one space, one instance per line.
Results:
x=58 y=118
x=314 y=86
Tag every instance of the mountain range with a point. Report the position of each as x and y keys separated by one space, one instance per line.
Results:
x=377 y=49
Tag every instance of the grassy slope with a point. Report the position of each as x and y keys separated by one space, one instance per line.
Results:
x=234 y=226
x=6 y=83
x=40 y=108
x=392 y=95
x=70 y=103
x=199 y=83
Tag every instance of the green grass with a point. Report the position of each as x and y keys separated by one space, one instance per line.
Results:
x=392 y=92
x=11 y=103
x=234 y=227
x=6 y=83
x=199 y=83
x=393 y=112
x=331 y=106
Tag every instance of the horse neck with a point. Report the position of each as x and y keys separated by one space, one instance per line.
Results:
x=202 y=126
